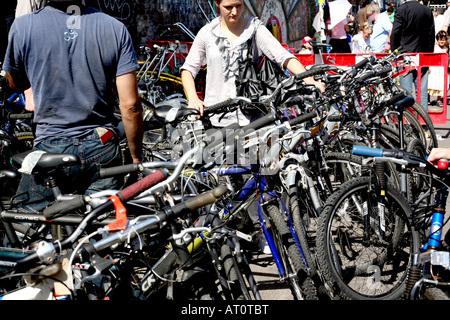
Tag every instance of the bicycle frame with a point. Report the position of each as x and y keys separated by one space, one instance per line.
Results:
x=255 y=185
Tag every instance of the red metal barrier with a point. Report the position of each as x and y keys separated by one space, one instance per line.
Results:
x=421 y=60
x=349 y=59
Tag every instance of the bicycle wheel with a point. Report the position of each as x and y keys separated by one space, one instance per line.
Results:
x=235 y=272
x=357 y=260
x=341 y=167
x=434 y=293
x=428 y=125
x=420 y=193
x=298 y=278
x=412 y=129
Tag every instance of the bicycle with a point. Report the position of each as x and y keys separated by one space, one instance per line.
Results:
x=366 y=239
x=428 y=273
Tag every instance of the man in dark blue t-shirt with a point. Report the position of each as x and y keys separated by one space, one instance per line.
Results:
x=72 y=56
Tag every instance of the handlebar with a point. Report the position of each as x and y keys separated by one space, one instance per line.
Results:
x=167 y=213
x=21 y=116
x=225 y=106
x=403 y=158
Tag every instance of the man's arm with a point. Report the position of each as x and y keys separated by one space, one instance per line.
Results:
x=131 y=111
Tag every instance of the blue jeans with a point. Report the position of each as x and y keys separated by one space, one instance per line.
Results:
x=80 y=179
x=407 y=83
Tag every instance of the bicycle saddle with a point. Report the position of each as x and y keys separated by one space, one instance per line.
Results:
x=46 y=161
x=8 y=174
x=168 y=114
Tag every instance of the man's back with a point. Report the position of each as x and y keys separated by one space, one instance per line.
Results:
x=413 y=28
x=71 y=62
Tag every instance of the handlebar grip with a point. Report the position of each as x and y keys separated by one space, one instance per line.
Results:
x=21 y=116
x=335 y=117
x=59 y=208
x=199 y=201
x=139 y=186
x=217 y=108
x=233 y=129
x=124 y=169
x=261 y=122
x=309 y=73
x=367 y=151
x=367 y=75
x=303 y=118
x=361 y=64
x=380 y=152
x=206 y=198
x=384 y=72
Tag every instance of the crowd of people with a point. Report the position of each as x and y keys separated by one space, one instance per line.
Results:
x=370 y=28
x=409 y=24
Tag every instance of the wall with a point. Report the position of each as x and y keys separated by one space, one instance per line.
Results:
x=289 y=20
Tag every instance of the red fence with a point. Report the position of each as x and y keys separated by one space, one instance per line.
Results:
x=421 y=60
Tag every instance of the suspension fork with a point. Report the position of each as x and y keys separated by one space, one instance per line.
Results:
x=375 y=193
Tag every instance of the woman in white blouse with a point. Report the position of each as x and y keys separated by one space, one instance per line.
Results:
x=223 y=43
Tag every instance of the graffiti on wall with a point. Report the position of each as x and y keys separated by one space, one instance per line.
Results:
x=273 y=17
x=149 y=19
x=122 y=10
x=297 y=26
x=287 y=19
x=289 y=6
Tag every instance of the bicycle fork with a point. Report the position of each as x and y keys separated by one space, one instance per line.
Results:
x=270 y=241
x=420 y=272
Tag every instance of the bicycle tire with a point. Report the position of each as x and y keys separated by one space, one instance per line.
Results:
x=302 y=218
x=238 y=287
x=411 y=126
x=291 y=257
x=434 y=293
x=387 y=265
x=420 y=195
x=429 y=126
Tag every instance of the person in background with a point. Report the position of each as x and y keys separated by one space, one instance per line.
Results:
x=338 y=37
x=438 y=19
x=28 y=6
x=436 y=74
x=382 y=26
x=306 y=45
x=85 y=56
x=360 y=42
x=391 y=10
x=446 y=19
x=413 y=30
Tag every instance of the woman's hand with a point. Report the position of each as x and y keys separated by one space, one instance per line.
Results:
x=197 y=104
x=320 y=85
x=438 y=153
